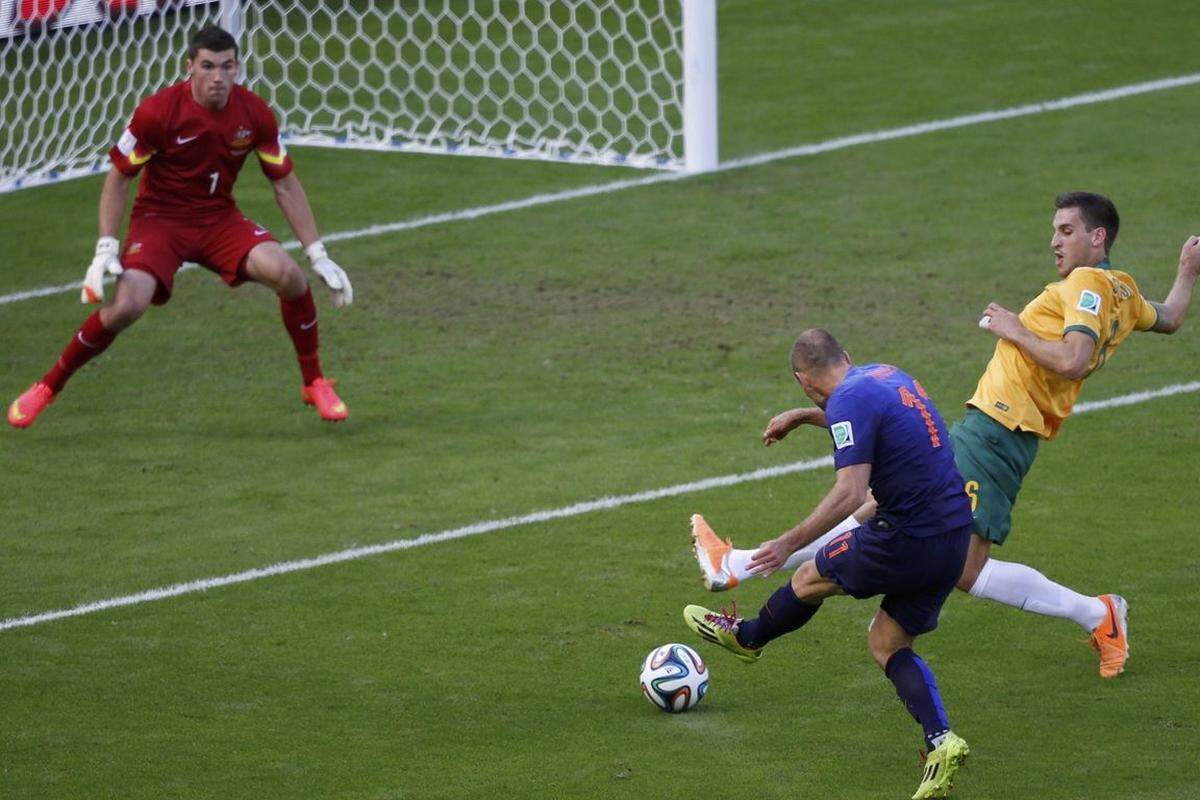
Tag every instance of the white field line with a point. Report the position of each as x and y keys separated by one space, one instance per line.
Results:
x=490 y=526
x=476 y=529
x=1137 y=397
x=826 y=146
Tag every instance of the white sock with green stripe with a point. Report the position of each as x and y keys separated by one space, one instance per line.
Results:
x=1025 y=588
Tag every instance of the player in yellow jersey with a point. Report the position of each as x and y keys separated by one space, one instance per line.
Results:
x=1029 y=387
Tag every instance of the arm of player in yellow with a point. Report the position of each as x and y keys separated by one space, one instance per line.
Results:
x=1068 y=356
x=1170 y=312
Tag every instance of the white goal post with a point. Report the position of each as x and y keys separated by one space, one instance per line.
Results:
x=622 y=82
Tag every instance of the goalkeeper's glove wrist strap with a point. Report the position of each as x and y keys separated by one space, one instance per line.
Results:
x=107 y=246
x=316 y=251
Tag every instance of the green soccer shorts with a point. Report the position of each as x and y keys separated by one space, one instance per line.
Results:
x=993 y=461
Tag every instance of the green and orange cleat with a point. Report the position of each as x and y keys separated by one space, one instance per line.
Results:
x=320 y=393
x=32 y=402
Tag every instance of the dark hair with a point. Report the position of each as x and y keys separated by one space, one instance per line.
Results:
x=212 y=38
x=816 y=348
x=1097 y=212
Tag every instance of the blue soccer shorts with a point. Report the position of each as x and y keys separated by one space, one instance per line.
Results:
x=915 y=575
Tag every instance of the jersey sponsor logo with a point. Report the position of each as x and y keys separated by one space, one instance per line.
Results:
x=186 y=139
x=1089 y=301
x=843 y=434
x=127 y=143
x=1002 y=406
x=135 y=247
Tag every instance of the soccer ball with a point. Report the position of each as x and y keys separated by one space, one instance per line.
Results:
x=674 y=678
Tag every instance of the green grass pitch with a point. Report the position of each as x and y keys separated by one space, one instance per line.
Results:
x=604 y=346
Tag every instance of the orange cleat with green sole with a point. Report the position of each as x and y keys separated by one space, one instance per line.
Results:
x=320 y=393
x=33 y=401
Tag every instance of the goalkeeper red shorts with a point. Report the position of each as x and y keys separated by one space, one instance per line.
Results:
x=160 y=245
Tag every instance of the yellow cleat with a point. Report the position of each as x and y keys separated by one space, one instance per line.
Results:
x=719 y=628
x=940 y=767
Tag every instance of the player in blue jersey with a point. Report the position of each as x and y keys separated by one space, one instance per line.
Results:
x=889 y=438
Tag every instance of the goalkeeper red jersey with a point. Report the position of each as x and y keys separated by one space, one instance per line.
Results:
x=191 y=156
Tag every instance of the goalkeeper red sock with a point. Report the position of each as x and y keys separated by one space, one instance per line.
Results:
x=89 y=341
x=300 y=319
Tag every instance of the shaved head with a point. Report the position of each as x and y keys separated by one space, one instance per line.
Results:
x=816 y=349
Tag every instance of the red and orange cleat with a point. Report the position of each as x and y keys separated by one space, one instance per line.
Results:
x=1111 y=637
x=320 y=393
x=33 y=401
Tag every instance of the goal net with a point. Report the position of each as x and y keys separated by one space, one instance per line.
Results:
x=626 y=82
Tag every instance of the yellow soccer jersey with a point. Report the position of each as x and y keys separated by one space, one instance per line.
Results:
x=1019 y=393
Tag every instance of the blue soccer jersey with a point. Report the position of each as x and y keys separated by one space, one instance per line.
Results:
x=878 y=415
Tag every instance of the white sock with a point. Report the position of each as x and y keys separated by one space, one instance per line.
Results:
x=1029 y=590
x=739 y=560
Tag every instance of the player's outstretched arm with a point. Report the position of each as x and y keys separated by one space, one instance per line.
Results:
x=106 y=260
x=849 y=493
x=293 y=202
x=1067 y=357
x=1172 y=310
x=785 y=422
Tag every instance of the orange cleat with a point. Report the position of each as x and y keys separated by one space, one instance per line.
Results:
x=320 y=393
x=1111 y=637
x=712 y=554
x=33 y=401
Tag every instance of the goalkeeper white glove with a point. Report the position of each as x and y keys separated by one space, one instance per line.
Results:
x=333 y=275
x=105 y=262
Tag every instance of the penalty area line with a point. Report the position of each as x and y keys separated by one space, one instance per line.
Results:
x=490 y=526
x=829 y=145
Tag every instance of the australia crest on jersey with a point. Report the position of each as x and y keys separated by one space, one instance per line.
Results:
x=242 y=138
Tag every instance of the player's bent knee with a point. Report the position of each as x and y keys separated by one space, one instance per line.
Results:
x=135 y=291
x=810 y=586
x=293 y=283
x=977 y=557
x=270 y=265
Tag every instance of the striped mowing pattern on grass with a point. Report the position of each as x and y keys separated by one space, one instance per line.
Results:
x=490 y=526
x=829 y=145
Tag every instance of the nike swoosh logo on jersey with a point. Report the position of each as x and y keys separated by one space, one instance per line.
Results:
x=259 y=231
x=182 y=140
